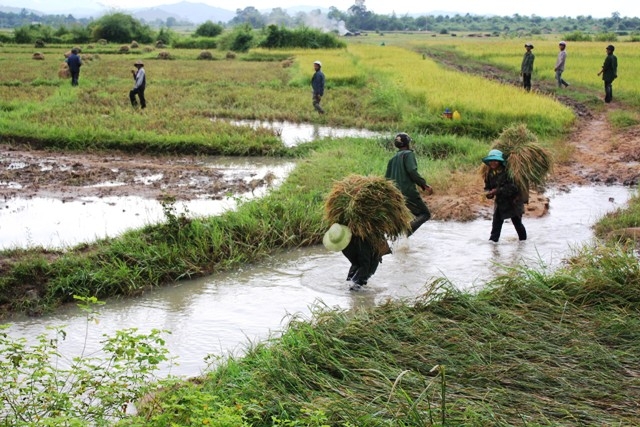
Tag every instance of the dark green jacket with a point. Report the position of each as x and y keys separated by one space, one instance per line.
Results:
x=508 y=202
x=402 y=169
x=610 y=68
x=527 y=63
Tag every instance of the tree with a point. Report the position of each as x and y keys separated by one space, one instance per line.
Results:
x=120 y=28
x=249 y=15
x=209 y=29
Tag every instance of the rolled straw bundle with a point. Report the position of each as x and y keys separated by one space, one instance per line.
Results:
x=372 y=207
x=528 y=164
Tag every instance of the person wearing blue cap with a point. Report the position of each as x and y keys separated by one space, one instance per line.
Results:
x=507 y=202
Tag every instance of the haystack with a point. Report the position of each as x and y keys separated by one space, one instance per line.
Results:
x=372 y=207
x=63 y=71
x=528 y=163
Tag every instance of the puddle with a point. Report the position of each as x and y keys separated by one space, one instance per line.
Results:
x=293 y=134
x=55 y=223
x=221 y=314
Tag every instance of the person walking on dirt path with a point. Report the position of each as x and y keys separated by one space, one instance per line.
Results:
x=140 y=79
x=560 y=62
x=317 y=84
x=500 y=187
x=609 y=73
x=74 y=62
x=402 y=169
x=526 y=68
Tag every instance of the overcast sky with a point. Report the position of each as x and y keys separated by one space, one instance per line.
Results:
x=544 y=8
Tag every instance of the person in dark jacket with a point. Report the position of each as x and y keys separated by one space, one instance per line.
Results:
x=609 y=73
x=500 y=187
x=317 y=84
x=402 y=169
x=140 y=79
x=74 y=62
x=526 y=68
x=360 y=252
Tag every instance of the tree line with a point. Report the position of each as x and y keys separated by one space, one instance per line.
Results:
x=121 y=27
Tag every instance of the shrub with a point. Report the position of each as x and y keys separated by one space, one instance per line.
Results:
x=195 y=43
x=577 y=36
x=205 y=54
x=606 y=37
x=209 y=29
x=303 y=37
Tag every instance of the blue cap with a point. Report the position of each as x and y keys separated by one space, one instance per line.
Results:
x=494 y=155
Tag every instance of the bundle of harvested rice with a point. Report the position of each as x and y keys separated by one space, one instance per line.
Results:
x=371 y=206
x=528 y=164
x=63 y=71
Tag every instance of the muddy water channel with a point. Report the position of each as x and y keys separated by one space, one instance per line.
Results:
x=56 y=223
x=224 y=313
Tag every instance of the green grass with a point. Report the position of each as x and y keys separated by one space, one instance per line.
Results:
x=533 y=348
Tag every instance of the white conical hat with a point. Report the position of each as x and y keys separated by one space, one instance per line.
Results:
x=337 y=238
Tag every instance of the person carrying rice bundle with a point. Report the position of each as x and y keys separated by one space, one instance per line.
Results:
x=515 y=164
x=508 y=204
x=364 y=212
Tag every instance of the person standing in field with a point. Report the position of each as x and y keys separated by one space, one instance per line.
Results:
x=526 y=68
x=609 y=73
x=74 y=62
x=317 y=84
x=140 y=79
x=560 y=62
x=500 y=187
x=402 y=169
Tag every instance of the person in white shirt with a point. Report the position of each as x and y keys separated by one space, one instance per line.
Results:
x=559 y=68
x=140 y=83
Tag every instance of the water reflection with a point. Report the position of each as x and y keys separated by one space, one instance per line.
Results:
x=55 y=223
x=293 y=134
x=222 y=313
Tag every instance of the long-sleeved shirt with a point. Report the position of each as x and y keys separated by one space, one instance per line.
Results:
x=562 y=57
x=527 y=63
x=140 y=78
x=317 y=83
x=403 y=170
x=610 y=68
x=74 y=62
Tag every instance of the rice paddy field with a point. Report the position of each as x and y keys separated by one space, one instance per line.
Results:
x=534 y=348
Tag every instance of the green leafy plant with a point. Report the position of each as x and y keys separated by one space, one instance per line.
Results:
x=42 y=387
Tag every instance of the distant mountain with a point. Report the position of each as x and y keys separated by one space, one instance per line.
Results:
x=9 y=9
x=186 y=11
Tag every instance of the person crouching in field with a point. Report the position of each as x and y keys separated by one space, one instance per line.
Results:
x=140 y=80
x=500 y=187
